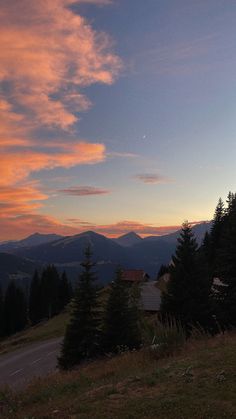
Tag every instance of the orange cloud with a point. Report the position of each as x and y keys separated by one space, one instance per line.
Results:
x=23 y=225
x=46 y=50
x=15 y=201
x=123 y=227
x=17 y=166
x=17 y=227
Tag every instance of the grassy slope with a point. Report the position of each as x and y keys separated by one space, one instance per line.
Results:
x=200 y=383
x=45 y=330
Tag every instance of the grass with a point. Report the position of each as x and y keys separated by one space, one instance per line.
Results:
x=52 y=328
x=198 y=382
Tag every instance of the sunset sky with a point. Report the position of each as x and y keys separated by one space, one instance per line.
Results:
x=115 y=115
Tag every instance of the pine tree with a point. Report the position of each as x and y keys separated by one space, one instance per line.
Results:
x=216 y=234
x=188 y=290
x=50 y=288
x=14 y=310
x=35 y=299
x=226 y=268
x=65 y=291
x=82 y=337
x=121 y=327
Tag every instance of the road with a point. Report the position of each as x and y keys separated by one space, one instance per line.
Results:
x=37 y=360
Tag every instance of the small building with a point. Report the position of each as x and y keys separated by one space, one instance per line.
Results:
x=150 y=297
x=135 y=276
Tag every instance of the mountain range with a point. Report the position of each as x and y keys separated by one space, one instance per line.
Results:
x=129 y=251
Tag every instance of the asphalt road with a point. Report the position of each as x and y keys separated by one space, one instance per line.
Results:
x=19 y=367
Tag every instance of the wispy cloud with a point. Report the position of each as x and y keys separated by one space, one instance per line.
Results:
x=179 y=58
x=84 y=191
x=152 y=178
x=47 y=54
x=18 y=165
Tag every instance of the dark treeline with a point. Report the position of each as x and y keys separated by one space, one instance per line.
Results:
x=99 y=326
x=49 y=294
x=202 y=287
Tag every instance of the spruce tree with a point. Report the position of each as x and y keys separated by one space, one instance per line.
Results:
x=188 y=290
x=65 y=291
x=14 y=310
x=226 y=268
x=121 y=328
x=215 y=235
x=50 y=288
x=35 y=299
x=82 y=337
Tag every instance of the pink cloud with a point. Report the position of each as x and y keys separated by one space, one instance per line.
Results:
x=47 y=50
x=152 y=178
x=25 y=224
x=122 y=227
x=84 y=191
x=17 y=166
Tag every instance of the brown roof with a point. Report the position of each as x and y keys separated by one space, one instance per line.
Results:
x=134 y=275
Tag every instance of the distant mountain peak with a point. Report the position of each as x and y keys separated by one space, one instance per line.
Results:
x=128 y=239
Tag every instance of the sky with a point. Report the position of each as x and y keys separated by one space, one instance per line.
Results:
x=115 y=115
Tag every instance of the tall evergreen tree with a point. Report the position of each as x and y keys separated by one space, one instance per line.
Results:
x=121 y=327
x=188 y=290
x=216 y=233
x=50 y=288
x=15 y=310
x=226 y=268
x=65 y=291
x=35 y=299
x=82 y=337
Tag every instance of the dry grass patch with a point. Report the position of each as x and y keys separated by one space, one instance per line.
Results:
x=200 y=382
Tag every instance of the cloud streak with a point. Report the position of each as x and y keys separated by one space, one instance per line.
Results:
x=84 y=191
x=19 y=165
x=152 y=178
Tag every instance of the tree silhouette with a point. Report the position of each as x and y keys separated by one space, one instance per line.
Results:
x=15 y=310
x=35 y=300
x=121 y=328
x=82 y=337
x=188 y=291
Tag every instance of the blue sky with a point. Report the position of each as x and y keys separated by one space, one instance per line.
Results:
x=166 y=119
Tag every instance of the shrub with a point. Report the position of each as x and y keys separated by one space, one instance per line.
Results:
x=164 y=338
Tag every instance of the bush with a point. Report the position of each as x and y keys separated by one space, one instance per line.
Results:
x=164 y=338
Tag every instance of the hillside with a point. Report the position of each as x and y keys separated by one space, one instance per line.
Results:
x=13 y=267
x=47 y=329
x=199 y=382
